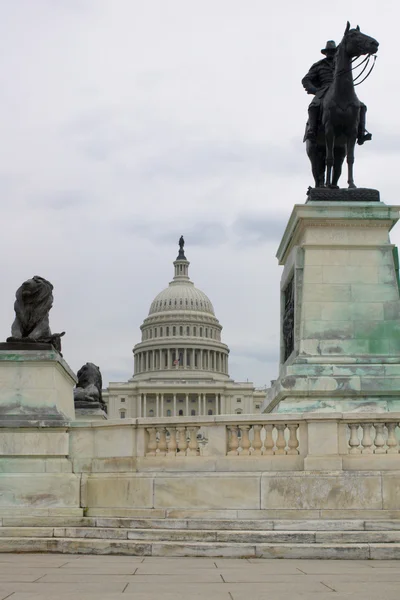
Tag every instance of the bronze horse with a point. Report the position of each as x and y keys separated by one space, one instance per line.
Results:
x=340 y=110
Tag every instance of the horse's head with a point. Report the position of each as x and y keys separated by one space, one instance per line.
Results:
x=357 y=43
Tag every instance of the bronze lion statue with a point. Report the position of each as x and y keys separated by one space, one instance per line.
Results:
x=33 y=301
x=88 y=389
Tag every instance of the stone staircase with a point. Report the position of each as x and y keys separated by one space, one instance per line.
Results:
x=272 y=538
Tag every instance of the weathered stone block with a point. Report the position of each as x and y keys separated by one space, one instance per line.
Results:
x=323 y=330
x=218 y=492
x=28 y=442
x=369 y=311
x=110 y=441
x=35 y=386
x=391 y=491
x=380 y=292
x=321 y=492
x=119 y=490
x=327 y=292
x=320 y=256
x=350 y=274
x=313 y=274
x=39 y=490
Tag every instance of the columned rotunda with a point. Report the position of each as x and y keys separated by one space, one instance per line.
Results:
x=181 y=365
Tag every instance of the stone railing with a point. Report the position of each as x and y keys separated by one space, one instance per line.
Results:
x=374 y=436
x=310 y=441
x=172 y=440
x=263 y=439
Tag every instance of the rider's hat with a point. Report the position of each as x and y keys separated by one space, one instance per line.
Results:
x=330 y=45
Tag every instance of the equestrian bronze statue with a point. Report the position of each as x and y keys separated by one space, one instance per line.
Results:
x=336 y=117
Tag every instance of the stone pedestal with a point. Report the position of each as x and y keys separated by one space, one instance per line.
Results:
x=36 y=407
x=36 y=386
x=340 y=350
x=89 y=411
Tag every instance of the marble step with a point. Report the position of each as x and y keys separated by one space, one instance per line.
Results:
x=212 y=549
x=243 y=536
x=205 y=535
x=207 y=524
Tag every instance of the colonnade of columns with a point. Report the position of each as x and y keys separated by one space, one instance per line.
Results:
x=181 y=358
x=177 y=405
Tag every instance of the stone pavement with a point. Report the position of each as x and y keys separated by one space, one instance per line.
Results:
x=90 y=577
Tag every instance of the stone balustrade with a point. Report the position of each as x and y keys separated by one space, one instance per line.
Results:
x=238 y=439
x=374 y=436
x=269 y=442
x=172 y=441
x=251 y=464
x=263 y=439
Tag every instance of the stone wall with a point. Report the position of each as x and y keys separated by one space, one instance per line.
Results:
x=276 y=465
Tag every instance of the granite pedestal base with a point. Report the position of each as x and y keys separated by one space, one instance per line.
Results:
x=341 y=348
x=351 y=386
x=36 y=386
x=89 y=411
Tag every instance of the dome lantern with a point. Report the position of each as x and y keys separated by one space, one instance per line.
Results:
x=181 y=264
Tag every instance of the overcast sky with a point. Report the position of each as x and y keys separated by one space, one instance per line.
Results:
x=126 y=123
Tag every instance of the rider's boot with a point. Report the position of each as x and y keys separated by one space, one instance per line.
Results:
x=363 y=135
x=313 y=113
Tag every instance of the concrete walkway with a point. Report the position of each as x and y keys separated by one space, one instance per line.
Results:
x=78 y=577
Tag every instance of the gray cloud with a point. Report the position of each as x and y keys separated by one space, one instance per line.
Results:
x=203 y=233
x=253 y=229
x=385 y=143
x=61 y=200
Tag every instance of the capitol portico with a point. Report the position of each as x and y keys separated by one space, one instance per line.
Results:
x=181 y=365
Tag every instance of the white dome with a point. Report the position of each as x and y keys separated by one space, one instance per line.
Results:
x=182 y=297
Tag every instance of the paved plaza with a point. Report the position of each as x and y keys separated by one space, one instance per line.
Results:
x=64 y=577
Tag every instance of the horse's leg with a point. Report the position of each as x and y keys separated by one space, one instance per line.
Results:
x=351 y=142
x=312 y=153
x=329 y=141
x=340 y=153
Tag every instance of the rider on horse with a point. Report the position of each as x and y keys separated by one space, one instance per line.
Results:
x=317 y=82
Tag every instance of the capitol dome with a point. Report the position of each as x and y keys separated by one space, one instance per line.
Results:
x=182 y=297
x=181 y=332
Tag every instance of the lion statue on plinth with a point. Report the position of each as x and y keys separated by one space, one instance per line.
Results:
x=33 y=301
x=87 y=393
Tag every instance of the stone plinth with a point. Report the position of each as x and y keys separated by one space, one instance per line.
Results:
x=346 y=333
x=89 y=411
x=36 y=386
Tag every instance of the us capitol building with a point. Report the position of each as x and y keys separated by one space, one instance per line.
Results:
x=181 y=365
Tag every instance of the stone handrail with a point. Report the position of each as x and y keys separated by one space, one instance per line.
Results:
x=377 y=436
x=310 y=441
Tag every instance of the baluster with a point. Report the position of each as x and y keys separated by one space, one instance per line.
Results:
x=269 y=440
x=354 y=441
x=379 y=438
x=172 y=441
x=182 y=440
x=366 y=441
x=193 y=444
x=245 y=442
x=233 y=443
x=393 y=445
x=152 y=443
x=257 y=443
x=280 y=440
x=293 y=442
x=162 y=442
